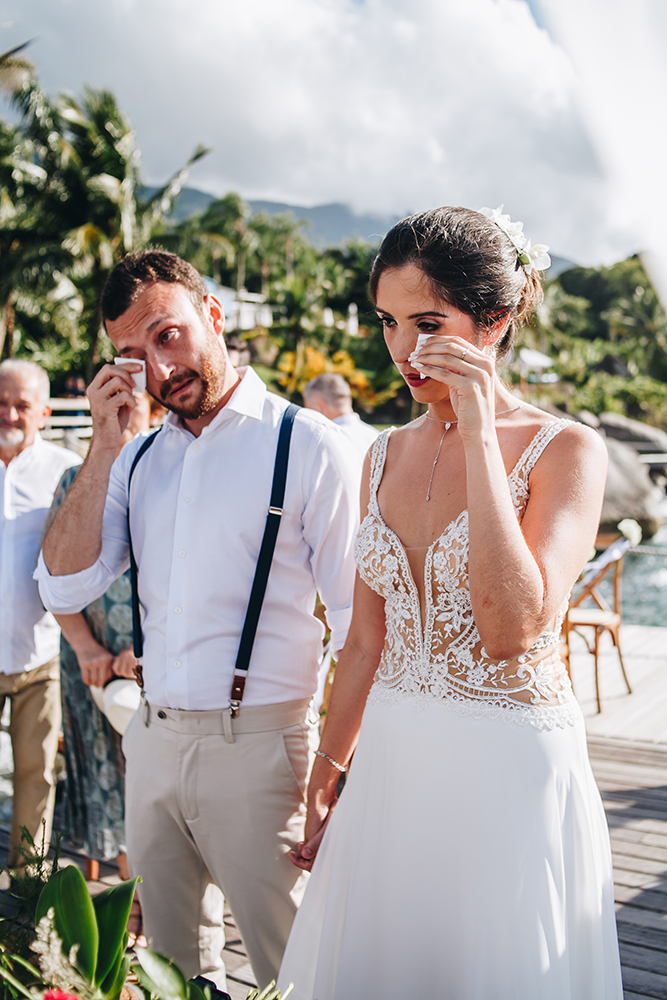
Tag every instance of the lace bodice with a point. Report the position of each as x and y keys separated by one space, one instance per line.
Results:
x=442 y=658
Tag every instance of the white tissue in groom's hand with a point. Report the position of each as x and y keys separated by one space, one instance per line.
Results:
x=139 y=378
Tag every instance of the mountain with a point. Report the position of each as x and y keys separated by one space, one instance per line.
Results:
x=326 y=225
x=331 y=225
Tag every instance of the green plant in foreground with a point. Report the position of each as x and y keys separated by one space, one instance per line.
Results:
x=96 y=927
x=81 y=945
x=162 y=979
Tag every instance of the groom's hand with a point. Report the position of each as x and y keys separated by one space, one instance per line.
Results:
x=304 y=853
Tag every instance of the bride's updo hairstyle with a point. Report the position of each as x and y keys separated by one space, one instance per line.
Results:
x=469 y=262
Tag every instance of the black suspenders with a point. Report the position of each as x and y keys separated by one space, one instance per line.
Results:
x=262 y=569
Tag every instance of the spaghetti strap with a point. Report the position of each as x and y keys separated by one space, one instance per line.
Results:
x=520 y=474
x=378 y=459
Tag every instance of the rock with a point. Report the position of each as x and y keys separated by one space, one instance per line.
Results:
x=624 y=429
x=629 y=491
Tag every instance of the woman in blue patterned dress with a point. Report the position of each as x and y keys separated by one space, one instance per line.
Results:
x=96 y=645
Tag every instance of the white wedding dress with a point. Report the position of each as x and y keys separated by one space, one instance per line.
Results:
x=468 y=857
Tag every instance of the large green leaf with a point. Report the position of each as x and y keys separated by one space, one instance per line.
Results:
x=162 y=978
x=112 y=910
x=74 y=916
x=108 y=985
x=113 y=989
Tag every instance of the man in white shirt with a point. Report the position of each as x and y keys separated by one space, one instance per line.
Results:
x=30 y=470
x=213 y=800
x=330 y=395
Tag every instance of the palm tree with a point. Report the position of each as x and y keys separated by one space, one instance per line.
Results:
x=76 y=201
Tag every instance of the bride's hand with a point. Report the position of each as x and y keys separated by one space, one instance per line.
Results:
x=468 y=372
x=321 y=802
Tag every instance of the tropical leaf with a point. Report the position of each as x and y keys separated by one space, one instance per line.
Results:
x=74 y=916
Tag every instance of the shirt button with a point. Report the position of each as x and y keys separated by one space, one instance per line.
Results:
x=187 y=499
x=196 y=448
x=177 y=663
x=182 y=555
x=178 y=610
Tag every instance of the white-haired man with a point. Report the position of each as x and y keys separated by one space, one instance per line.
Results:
x=30 y=469
x=330 y=395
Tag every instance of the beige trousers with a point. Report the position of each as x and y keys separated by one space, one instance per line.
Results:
x=212 y=807
x=34 y=729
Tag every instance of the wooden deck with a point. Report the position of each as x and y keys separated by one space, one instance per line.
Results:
x=632 y=778
x=643 y=714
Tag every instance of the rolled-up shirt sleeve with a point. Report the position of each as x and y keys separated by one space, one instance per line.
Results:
x=66 y=595
x=330 y=523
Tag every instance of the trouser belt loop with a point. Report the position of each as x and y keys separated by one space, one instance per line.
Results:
x=227 y=726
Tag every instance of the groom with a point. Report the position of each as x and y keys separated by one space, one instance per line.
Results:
x=215 y=799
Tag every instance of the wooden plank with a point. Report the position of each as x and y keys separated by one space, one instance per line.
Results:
x=628 y=914
x=646 y=984
x=638 y=957
x=639 y=880
x=646 y=937
x=645 y=899
x=624 y=834
x=647 y=863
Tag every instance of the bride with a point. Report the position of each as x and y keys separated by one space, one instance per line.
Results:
x=469 y=856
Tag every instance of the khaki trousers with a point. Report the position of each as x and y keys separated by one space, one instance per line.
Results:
x=212 y=807
x=34 y=729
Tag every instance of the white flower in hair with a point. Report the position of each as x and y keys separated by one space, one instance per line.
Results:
x=535 y=257
x=530 y=256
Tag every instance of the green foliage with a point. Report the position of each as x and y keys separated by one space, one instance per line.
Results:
x=608 y=333
x=74 y=916
x=112 y=912
x=161 y=979
x=17 y=909
x=69 y=210
x=97 y=928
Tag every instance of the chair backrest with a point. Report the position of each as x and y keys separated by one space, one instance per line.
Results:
x=609 y=561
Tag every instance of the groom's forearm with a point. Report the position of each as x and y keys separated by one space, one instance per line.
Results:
x=74 y=540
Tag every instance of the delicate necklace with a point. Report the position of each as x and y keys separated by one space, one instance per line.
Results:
x=448 y=424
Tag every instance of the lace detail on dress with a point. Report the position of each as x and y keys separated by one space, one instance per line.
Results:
x=443 y=658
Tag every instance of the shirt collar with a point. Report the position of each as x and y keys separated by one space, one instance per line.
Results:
x=247 y=400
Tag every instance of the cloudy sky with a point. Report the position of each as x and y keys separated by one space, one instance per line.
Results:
x=391 y=106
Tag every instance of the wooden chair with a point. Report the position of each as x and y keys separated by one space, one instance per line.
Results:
x=602 y=617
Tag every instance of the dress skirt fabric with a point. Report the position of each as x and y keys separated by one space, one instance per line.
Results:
x=468 y=859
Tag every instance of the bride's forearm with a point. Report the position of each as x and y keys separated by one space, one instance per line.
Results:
x=352 y=681
x=506 y=584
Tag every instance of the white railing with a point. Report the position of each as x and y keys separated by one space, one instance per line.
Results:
x=68 y=415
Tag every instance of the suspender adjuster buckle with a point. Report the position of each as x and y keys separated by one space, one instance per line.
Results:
x=276 y=510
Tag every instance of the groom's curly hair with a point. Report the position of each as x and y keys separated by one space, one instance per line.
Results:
x=144 y=268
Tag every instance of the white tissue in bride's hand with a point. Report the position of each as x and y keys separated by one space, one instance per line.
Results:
x=422 y=339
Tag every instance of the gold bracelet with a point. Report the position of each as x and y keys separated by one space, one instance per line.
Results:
x=339 y=767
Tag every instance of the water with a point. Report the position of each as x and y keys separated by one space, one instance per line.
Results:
x=644 y=585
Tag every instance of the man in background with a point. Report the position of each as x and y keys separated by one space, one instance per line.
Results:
x=330 y=395
x=30 y=470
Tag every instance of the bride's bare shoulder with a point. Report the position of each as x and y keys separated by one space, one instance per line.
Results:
x=577 y=444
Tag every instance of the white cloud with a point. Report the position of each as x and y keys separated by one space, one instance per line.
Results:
x=388 y=105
